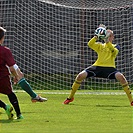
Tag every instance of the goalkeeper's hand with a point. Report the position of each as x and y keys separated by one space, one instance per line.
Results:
x=100 y=32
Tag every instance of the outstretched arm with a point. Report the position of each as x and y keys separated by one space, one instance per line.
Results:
x=113 y=49
x=100 y=34
x=93 y=44
x=92 y=41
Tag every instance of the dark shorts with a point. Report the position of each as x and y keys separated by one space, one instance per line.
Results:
x=101 y=72
x=5 y=85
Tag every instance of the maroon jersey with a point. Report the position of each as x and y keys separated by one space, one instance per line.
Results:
x=6 y=60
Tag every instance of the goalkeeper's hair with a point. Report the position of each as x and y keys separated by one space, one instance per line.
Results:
x=108 y=34
x=102 y=25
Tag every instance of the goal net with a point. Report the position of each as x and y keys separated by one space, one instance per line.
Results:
x=49 y=39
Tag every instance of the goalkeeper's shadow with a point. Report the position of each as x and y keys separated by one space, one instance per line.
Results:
x=82 y=105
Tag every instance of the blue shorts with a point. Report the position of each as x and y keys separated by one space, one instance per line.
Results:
x=101 y=72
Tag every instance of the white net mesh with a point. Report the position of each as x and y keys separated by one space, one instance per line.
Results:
x=49 y=39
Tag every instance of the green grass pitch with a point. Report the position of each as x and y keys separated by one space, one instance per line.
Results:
x=86 y=114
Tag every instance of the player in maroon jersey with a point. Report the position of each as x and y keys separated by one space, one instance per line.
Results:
x=7 y=63
x=20 y=76
x=8 y=66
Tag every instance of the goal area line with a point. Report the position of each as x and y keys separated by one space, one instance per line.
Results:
x=79 y=92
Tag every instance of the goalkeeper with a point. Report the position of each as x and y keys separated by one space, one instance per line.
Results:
x=104 y=67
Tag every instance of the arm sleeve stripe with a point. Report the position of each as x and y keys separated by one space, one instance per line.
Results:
x=118 y=47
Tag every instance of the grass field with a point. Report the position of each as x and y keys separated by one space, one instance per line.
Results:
x=88 y=113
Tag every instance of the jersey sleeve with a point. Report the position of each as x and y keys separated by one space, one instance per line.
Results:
x=93 y=44
x=113 y=48
x=9 y=57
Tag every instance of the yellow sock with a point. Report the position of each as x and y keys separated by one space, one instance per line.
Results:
x=128 y=92
x=75 y=86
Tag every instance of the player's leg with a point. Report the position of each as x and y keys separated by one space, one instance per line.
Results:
x=5 y=83
x=80 y=77
x=14 y=101
x=8 y=109
x=2 y=105
x=88 y=72
x=26 y=87
x=121 y=78
x=6 y=88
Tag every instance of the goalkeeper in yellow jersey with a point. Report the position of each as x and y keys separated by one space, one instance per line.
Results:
x=104 y=67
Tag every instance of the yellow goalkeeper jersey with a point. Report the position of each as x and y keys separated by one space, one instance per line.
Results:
x=106 y=52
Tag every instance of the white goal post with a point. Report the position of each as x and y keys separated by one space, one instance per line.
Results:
x=49 y=39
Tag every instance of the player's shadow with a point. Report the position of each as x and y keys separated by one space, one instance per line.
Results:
x=72 y=104
x=15 y=120
x=4 y=120
x=111 y=106
x=7 y=121
x=102 y=106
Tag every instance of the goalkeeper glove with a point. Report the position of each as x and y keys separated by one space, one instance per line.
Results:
x=100 y=32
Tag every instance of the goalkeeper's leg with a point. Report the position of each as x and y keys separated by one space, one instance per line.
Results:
x=80 y=77
x=128 y=92
x=120 y=77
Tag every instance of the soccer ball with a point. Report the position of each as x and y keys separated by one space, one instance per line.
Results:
x=100 y=33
